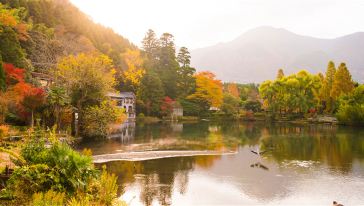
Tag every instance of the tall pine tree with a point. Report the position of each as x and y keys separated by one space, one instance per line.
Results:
x=327 y=99
x=186 y=82
x=343 y=84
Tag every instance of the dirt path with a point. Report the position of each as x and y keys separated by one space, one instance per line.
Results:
x=149 y=155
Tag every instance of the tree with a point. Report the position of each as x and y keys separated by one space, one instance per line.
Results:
x=184 y=57
x=327 y=98
x=343 y=84
x=208 y=90
x=230 y=105
x=87 y=79
x=167 y=65
x=150 y=45
x=13 y=75
x=2 y=76
x=351 y=107
x=97 y=119
x=232 y=89
x=167 y=106
x=135 y=71
x=186 y=82
x=280 y=74
x=33 y=99
x=294 y=94
x=151 y=93
x=57 y=98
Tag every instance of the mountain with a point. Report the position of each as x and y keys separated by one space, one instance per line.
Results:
x=257 y=55
x=43 y=31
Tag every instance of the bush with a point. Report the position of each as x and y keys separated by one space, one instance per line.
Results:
x=4 y=131
x=49 y=198
x=351 y=114
x=51 y=171
x=97 y=119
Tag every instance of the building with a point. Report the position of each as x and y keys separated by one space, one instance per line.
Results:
x=125 y=100
x=177 y=110
x=44 y=79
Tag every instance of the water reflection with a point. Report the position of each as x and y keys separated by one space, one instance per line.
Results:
x=314 y=164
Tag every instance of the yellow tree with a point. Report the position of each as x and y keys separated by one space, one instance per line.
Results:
x=135 y=71
x=208 y=89
x=87 y=79
x=343 y=84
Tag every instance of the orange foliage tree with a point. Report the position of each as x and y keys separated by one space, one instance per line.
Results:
x=233 y=90
x=208 y=89
x=21 y=96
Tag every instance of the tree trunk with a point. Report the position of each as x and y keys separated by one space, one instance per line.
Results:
x=32 y=120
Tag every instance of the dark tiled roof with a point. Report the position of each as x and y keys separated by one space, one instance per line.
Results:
x=121 y=94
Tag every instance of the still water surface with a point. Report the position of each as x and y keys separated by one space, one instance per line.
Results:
x=302 y=165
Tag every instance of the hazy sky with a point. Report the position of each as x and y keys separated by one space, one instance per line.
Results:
x=199 y=23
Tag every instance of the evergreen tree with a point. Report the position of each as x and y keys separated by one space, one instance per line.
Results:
x=10 y=48
x=167 y=65
x=2 y=76
x=186 y=82
x=327 y=98
x=280 y=74
x=150 y=45
x=151 y=93
x=343 y=84
x=184 y=57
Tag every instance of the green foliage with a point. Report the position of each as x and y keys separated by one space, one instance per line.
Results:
x=52 y=171
x=252 y=105
x=351 y=107
x=230 y=105
x=294 y=94
x=50 y=198
x=10 y=48
x=97 y=119
x=151 y=93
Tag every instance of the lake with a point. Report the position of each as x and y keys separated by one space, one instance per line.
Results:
x=301 y=164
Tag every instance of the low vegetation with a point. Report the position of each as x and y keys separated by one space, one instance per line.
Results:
x=50 y=172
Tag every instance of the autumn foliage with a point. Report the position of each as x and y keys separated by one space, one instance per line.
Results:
x=22 y=98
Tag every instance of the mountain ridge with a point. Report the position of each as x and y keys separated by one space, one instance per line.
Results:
x=257 y=54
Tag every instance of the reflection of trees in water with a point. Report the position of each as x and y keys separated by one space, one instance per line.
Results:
x=158 y=177
x=337 y=147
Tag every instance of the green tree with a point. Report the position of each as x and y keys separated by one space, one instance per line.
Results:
x=186 y=81
x=151 y=93
x=150 y=45
x=351 y=107
x=230 y=105
x=57 y=99
x=184 y=57
x=10 y=48
x=168 y=65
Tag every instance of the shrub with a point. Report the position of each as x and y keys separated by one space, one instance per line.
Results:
x=4 y=131
x=50 y=198
x=97 y=119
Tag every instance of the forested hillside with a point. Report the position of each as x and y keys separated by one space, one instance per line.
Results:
x=35 y=34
